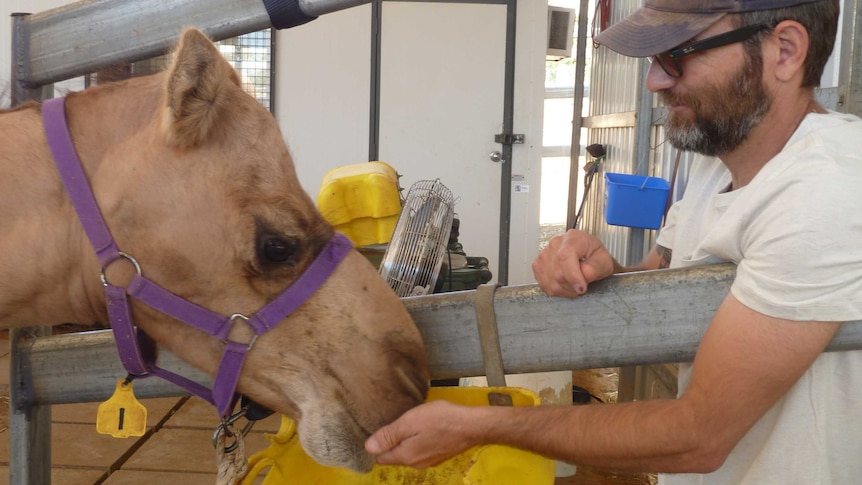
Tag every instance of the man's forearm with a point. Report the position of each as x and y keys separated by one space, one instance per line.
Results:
x=655 y=436
x=658 y=258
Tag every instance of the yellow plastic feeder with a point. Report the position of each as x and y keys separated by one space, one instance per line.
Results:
x=285 y=462
x=362 y=201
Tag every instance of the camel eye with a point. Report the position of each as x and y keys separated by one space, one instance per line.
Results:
x=277 y=250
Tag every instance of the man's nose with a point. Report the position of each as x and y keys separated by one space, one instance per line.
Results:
x=658 y=80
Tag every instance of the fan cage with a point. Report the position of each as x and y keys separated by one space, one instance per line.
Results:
x=415 y=253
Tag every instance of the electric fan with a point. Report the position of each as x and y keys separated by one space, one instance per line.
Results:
x=413 y=257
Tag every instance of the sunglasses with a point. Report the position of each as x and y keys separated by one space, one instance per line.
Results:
x=670 y=60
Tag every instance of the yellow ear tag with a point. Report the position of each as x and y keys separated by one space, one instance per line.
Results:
x=122 y=415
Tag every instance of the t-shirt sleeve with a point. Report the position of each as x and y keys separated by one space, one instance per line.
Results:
x=666 y=233
x=802 y=257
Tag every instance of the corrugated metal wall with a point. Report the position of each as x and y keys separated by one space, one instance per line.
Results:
x=616 y=85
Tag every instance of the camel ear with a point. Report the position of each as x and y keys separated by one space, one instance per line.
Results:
x=196 y=94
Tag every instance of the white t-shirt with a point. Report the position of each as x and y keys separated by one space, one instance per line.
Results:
x=795 y=233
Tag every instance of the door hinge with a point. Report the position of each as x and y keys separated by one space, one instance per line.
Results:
x=509 y=139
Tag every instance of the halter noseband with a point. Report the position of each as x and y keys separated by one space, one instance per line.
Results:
x=136 y=349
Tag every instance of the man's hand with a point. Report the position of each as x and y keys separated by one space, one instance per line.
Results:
x=424 y=436
x=571 y=262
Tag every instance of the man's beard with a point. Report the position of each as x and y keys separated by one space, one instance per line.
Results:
x=724 y=114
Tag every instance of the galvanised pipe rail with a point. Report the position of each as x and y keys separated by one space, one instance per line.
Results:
x=630 y=319
x=89 y=35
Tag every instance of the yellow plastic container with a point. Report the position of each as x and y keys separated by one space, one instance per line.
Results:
x=287 y=463
x=362 y=201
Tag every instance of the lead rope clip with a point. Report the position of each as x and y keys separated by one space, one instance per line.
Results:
x=231 y=459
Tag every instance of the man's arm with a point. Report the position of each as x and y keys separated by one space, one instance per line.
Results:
x=658 y=258
x=743 y=366
x=576 y=259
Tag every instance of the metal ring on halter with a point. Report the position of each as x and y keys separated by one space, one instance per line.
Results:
x=122 y=255
x=245 y=319
x=224 y=427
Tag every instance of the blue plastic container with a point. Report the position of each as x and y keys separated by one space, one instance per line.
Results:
x=635 y=200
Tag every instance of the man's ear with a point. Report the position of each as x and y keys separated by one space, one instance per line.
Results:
x=792 y=50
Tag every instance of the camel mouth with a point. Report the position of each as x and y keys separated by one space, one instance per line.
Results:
x=336 y=440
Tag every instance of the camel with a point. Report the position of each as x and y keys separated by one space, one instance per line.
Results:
x=198 y=190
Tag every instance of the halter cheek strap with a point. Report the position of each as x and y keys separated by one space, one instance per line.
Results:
x=137 y=350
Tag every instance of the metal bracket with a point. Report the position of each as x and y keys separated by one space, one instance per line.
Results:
x=509 y=139
x=489 y=339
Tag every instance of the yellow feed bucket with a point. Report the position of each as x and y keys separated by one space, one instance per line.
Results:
x=287 y=463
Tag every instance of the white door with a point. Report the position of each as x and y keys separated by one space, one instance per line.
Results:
x=441 y=103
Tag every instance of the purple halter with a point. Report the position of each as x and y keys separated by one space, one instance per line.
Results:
x=136 y=349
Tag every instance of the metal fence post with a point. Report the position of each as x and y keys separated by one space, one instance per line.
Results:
x=29 y=424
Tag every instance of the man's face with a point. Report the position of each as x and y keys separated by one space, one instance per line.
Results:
x=721 y=115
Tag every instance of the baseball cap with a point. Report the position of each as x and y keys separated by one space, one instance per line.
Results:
x=661 y=25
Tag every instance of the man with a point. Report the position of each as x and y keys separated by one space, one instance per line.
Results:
x=774 y=190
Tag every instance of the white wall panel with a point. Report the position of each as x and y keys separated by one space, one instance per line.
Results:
x=322 y=91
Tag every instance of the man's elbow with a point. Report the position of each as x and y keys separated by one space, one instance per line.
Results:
x=699 y=445
x=706 y=456
x=710 y=462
